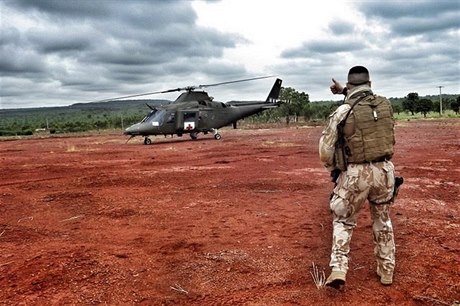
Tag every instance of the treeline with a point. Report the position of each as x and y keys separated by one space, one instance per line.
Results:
x=75 y=118
x=413 y=104
x=121 y=114
x=297 y=105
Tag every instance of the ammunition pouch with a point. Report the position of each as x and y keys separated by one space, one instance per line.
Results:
x=340 y=161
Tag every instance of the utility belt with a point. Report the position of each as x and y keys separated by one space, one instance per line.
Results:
x=377 y=160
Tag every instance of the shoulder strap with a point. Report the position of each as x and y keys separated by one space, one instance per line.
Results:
x=365 y=94
x=341 y=138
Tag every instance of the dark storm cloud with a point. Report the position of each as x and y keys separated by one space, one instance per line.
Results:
x=21 y=62
x=323 y=47
x=416 y=8
x=106 y=45
x=15 y=57
x=422 y=45
x=61 y=52
x=152 y=27
x=415 y=17
x=404 y=19
x=53 y=41
x=409 y=46
x=341 y=27
x=62 y=8
x=133 y=13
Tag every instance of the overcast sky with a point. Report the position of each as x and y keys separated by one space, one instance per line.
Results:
x=55 y=52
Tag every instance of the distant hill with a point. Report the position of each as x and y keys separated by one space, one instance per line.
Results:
x=108 y=105
x=76 y=117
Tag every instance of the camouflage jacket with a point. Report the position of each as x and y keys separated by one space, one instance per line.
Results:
x=329 y=136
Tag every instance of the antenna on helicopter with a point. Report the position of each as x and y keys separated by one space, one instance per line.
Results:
x=151 y=107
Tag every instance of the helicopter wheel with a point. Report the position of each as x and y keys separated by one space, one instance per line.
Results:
x=217 y=136
x=194 y=135
x=147 y=141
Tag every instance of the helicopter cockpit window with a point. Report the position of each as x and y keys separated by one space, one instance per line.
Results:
x=155 y=116
x=189 y=116
x=149 y=115
x=171 y=118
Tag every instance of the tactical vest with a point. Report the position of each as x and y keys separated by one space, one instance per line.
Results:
x=369 y=129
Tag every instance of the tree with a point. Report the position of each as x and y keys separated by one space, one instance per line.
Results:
x=295 y=103
x=424 y=106
x=410 y=102
x=397 y=108
x=455 y=105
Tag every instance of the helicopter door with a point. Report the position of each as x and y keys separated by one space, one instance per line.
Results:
x=186 y=120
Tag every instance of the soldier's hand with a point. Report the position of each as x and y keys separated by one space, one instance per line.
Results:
x=336 y=87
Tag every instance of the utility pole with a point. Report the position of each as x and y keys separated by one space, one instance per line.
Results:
x=440 y=100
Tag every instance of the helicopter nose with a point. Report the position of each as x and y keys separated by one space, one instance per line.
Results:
x=139 y=129
x=132 y=130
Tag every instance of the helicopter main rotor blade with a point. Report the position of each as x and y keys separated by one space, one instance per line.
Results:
x=142 y=94
x=188 y=88
x=235 y=81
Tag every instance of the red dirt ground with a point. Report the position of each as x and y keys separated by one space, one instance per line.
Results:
x=88 y=220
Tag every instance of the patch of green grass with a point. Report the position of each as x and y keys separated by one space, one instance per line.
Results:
x=430 y=115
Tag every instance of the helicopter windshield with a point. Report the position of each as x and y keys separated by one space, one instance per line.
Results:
x=155 y=116
x=149 y=115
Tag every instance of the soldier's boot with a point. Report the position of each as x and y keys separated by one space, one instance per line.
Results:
x=386 y=277
x=336 y=279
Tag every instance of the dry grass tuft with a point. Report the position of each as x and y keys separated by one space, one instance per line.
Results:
x=319 y=278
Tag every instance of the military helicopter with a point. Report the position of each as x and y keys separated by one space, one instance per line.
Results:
x=194 y=112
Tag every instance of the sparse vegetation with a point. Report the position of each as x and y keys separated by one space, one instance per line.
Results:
x=319 y=278
x=120 y=114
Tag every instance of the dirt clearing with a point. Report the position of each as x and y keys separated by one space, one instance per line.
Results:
x=92 y=220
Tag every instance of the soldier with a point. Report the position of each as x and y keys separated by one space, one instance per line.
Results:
x=357 y=146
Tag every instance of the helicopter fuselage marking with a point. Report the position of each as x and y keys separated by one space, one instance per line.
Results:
x=189 y=125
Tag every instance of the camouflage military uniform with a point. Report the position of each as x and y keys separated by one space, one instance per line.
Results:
x=360 y=182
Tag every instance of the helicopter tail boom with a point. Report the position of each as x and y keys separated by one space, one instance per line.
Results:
x=274 y=92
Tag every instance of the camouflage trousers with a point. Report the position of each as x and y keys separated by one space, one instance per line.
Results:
x=373 y=182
